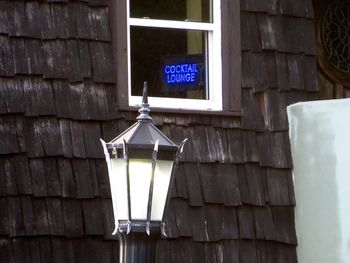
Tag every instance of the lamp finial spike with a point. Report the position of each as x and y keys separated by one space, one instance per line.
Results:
x=144 y=111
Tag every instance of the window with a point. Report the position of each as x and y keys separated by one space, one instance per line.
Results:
x=179 y=48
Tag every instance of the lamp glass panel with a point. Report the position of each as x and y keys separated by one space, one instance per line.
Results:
x=119 y=188
x=140 y=173
x=162 y=176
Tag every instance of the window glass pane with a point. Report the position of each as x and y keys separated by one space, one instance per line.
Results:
x=191 y=10
x=172 y=61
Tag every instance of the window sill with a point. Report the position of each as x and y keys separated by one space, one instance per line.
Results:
x=183 y=111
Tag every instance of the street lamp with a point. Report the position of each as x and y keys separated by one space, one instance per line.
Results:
x=141 y=163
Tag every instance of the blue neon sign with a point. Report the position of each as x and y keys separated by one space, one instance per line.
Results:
x=183 y=72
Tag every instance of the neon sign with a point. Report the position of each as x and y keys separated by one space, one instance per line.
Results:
x=183 y=72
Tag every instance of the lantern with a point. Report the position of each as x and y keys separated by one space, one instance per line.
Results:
x=141 y=163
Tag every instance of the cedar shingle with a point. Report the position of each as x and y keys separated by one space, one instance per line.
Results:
x=102 y=62
x=79 y=101
x=4 y=218
x=53 y=184
x=293 y=8
x=55 y=56
x=17 y=227
x=295 y=72
x=50 y=136
x=250 y=32
x=6 y=254
x=211 y=183
x=28 y=216
x=38 y=97
x=20 y=58
x=180 y=181
x=170 y=222
x=282 y=71
x=18 y=25
x=231 y=252
x=80 y=13
x=38 y=177
x=229 y=228
x=97 y=101
x=45 y=249
x=55 y=216
x=73 y=219
x=230 y=185
x=33 y=19
x=4 y=7
x=60 y=20
x=34 y=250
x=35 y=57
x=10 y=177
x=247 y=251
x=62 y=250
x=92 y=213
x=252 y=118
x=73 y=60
x=267 y=31
x=264 y=225
x=82 y=178
x=284 y=224
x=309 y=67
x=63 y=100
x=76 y=132
x=280 y=149
x=276 y=105
x=252 y=184
x=198 y=225
x=40 y=215
x=182 y=217
x=48 y=30
x=234 y=144
x=108 y=218
x=85 y=59
x=260 y=6
x=92 y=144
x=264 y=149
x=66 y=137
x=278 y=186
x=23 y=177
x=213 y=252
x=214 y=219
x=246 y=225
x=250 y=148
x=13 y=95
x=6 y=61
x=20 y=250
x=271 y=69
x=8 y=143
x=65 y=173
x=193 y=184
x=20 y=133
x=102 y=179
x=3 y=190
x=98 y=18
x=93 y=176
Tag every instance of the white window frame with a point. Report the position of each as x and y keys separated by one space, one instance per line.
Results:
x=214 y=103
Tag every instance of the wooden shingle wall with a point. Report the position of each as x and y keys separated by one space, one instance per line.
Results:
x=233 y=198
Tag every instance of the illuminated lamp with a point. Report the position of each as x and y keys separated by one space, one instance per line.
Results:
x=141 y=163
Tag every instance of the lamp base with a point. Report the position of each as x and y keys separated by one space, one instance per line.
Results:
x=137 y=247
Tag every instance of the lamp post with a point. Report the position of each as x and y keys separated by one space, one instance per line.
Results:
x=141 y=163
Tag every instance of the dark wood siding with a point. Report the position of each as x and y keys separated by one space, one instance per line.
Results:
x=233 y=198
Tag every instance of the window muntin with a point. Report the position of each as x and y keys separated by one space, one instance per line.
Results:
x=202 y=39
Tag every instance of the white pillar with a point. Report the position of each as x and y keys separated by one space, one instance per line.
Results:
x=320 y=143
